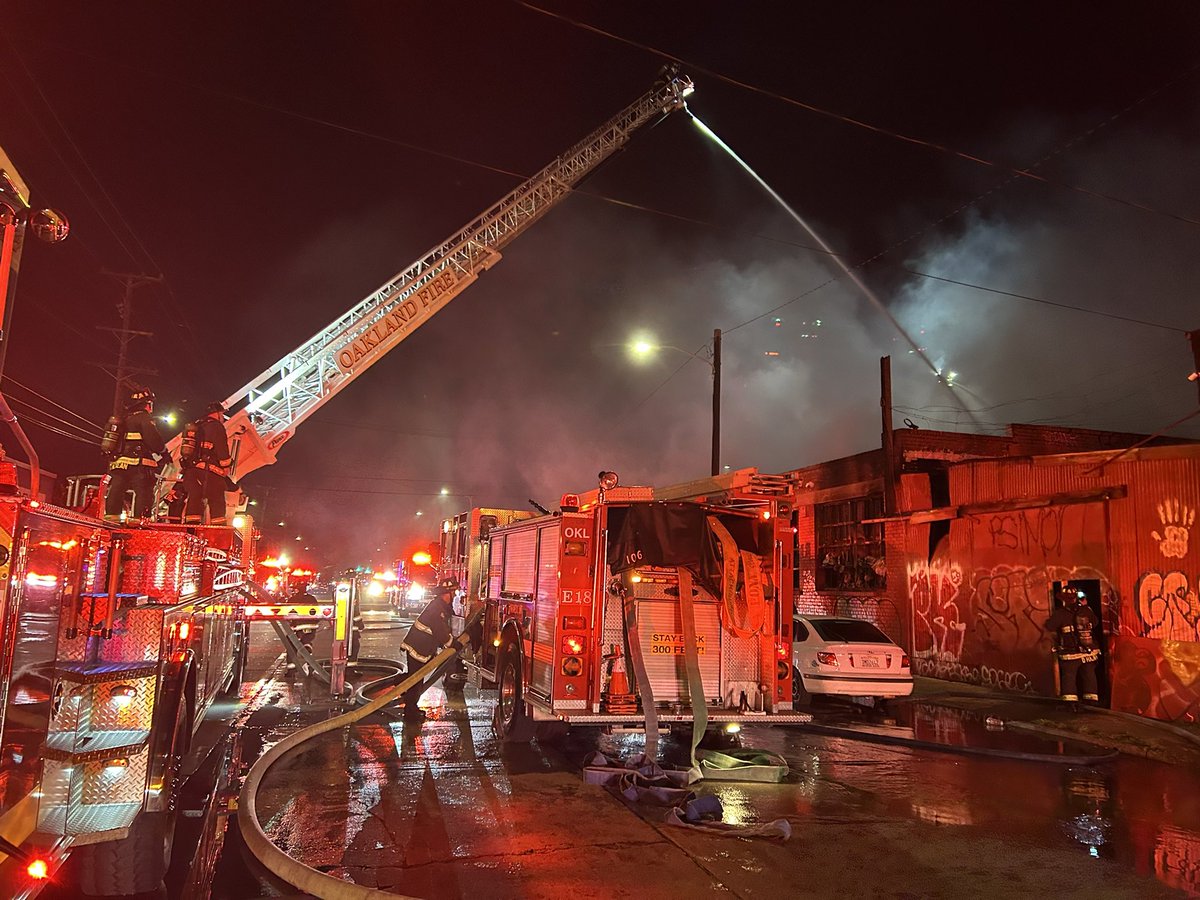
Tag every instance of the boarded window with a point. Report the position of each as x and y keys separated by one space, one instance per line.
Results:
x=850 y=554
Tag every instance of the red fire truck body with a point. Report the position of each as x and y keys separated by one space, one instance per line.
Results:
x=571 y=599
x=463 y=544
x=113 y=644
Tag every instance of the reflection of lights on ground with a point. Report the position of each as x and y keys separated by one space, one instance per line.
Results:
x=1089 y=830
x=944 y=813
x=736 y=805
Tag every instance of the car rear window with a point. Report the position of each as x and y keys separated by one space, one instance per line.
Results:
x=854 y=631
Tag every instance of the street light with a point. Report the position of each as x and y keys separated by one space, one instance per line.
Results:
x=641 y=348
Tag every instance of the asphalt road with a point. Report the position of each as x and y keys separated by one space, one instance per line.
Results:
x=441 y=810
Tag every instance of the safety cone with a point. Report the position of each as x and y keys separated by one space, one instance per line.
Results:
x=617 y=698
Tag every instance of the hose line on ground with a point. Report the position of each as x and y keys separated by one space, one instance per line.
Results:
x=291 y=870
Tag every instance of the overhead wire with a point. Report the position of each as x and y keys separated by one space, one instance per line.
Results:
x=94 y=433
x=1013 y=173
x=183 y=318
x=11 y=380
x=877 y=129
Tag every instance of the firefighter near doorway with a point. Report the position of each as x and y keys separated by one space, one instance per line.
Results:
x=1075 y=632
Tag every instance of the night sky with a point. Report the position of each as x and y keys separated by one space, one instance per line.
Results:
x=276 y=162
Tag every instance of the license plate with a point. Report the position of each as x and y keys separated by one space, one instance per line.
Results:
x=869 y=662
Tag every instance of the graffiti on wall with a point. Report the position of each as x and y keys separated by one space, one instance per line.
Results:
x=989 y=627
x=1177 y=520
x=1028 y=532
x=1012 y=604
x=1168 y=606
x=938 y=623
x=1156 y=678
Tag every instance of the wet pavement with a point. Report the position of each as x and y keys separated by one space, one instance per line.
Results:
x=442 y=810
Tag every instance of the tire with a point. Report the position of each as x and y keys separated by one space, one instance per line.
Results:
x=800 y=695
x=135 y=865
x=513 y=723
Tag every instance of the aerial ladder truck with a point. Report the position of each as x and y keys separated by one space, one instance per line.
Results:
x=115 y=639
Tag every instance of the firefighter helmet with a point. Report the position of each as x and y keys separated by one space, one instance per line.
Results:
x=448 y=586
x=216 y=407
x=138 y=398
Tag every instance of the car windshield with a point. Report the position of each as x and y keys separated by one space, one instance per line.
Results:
x=852 y=631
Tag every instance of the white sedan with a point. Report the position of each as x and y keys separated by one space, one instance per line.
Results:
x=850 y=657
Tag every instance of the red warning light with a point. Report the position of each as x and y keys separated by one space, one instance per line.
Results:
x=422 y=558
x=39 y=869
x=185 y=628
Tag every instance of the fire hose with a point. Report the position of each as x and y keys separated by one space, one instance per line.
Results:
x=289 y=869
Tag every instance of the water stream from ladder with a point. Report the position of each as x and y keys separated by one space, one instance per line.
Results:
x=836 y=258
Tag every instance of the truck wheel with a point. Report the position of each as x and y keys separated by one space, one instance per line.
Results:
x=135 y=865
x=800 y=695
x=513 y=723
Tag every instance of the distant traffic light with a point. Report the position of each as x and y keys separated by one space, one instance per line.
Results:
x=422 y=558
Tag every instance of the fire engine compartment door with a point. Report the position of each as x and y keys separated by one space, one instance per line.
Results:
x=660 y=632
x=541 y=674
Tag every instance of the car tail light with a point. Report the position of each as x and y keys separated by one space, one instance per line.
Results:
x=576 y=622
x=572 y=644
x=826 y=658
x=904 y=661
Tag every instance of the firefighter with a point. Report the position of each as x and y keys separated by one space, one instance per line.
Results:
x=1075 y=631
x=205 y=478
x=136 y=450
x=427 y=635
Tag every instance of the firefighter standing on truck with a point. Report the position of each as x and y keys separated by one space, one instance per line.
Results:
x=205 y=473
x=135 y=445
x=1075 y=631
x=427 y=635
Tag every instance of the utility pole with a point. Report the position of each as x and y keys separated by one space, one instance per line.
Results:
x=716 y=417
x=1194 y=337
x=125 y=335
x=889 y=444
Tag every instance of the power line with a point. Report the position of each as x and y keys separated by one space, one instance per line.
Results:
x=65 y=409
x=876 y=129
x=179 y=311
x=90 y=434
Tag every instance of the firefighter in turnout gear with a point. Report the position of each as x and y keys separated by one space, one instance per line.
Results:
x=1075 y=631
x=205 y=476
x=425 y=638
x=136 y=448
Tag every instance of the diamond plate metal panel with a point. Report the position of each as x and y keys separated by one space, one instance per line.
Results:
x=164 y=565
x=104 y=784
x=116 y=713
x=137 y=635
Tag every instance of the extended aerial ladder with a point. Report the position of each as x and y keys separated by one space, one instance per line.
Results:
x=266 y=411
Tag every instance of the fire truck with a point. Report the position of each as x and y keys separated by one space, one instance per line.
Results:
x=115 y=642
x=636 y=606
x=116 y=638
